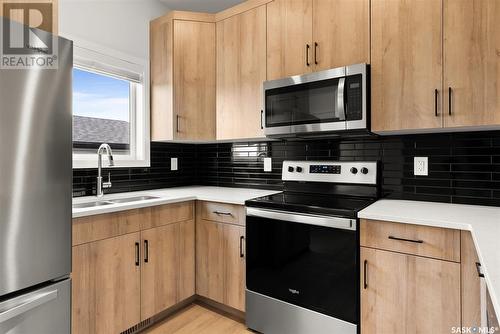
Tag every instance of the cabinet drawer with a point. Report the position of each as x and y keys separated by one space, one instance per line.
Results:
x=222 y=212
x=434 y=242
x=170 y=214
x=108 y=225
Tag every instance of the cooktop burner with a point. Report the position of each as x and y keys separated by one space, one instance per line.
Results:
x=334 y=205
x=306 y=181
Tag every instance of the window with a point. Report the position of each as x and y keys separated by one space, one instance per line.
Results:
x=109 y=107
x=101 y=111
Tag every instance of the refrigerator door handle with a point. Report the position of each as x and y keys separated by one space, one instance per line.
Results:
x=26 y=305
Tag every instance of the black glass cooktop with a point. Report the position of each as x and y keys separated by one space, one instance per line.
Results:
x=334 y=205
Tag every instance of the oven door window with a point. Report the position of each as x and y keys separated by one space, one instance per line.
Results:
x=306 y=103
x=310 y=266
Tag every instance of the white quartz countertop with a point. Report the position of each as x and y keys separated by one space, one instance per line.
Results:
x=482 y=221
x=169 y=195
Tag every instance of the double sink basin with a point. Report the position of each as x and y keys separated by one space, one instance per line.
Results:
x=112 y=201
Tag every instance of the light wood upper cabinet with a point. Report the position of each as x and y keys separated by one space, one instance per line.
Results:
x=312 y=35
x=194 y=79
x=182 y=79
x=289 y=38
x=168 y=267
x=406 y=64
x=241 y=70
x=341 y=30
x=472 y=62
x=106 y=286
x=408 y=294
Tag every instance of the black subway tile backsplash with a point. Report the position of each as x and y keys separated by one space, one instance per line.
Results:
x=463 y=167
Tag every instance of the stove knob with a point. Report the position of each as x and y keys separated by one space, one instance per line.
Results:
x=290 y=169
x=354 y=170
x=299 y=169
x=364 y=170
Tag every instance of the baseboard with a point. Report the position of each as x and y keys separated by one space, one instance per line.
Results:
x=225 y=310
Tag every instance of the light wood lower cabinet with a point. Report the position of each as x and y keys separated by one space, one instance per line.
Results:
x=106 y=285
x=167 y=267
x=220 y=263
x=125 y=278
x=408 y=294
x=471 y=283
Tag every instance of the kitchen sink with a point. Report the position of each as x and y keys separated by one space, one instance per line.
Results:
x=133 y=199
x=90 y=204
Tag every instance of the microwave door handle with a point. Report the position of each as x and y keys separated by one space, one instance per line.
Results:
x=340 y=100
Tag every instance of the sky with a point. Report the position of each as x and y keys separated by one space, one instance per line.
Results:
x=100 y=96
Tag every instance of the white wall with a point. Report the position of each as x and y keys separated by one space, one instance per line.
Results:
x=119 y=25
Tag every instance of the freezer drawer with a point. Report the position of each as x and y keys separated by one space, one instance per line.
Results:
x=43 y=311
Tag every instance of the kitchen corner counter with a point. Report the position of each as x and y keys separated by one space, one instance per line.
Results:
x=482 y=221
x=236 y=196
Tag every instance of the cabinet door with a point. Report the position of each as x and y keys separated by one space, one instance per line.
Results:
x=472 y=62
x=106 y=286
x=406 y=64
x=241 y=70
x=471 y=283
x=194 y=80
x=341 y=33
x=408 y=294
x=234 y=255
x=210 y=260
x=289 y=38
x=186 y=255
x=160 y=266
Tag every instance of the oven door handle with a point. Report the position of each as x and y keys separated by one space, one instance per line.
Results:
x=340 y=100
x=302 y=218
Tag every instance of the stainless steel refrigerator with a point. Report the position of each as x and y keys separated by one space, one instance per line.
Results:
x=35 y=197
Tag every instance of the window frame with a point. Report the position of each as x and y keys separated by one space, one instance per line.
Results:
x=104 y=61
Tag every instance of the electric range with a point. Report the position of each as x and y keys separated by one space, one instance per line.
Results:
x=302 y=266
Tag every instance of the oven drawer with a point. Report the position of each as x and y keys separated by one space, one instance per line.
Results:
x=222 y=212
x=434 y=242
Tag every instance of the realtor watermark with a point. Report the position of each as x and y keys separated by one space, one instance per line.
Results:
x=475 y=330
x=26 y=36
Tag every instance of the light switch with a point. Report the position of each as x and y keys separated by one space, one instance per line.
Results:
x=268 y=165
x=421 y=166
x=173 y=164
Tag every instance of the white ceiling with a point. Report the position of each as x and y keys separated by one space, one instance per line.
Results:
x=209 y=6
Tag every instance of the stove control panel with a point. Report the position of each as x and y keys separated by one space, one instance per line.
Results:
x=330 y=171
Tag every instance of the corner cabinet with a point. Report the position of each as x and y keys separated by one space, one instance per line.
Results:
x=435 y=64
x=182 y=77
x=311 y=35
x=241 y=71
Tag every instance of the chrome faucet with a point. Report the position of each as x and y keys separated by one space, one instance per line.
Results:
x=100 y=184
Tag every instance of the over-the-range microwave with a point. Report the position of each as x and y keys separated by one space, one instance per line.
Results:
x=323 y=103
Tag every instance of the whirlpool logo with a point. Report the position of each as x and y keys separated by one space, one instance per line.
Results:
x=27 y=35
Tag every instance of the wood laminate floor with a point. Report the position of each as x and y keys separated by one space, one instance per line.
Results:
x=196 y=319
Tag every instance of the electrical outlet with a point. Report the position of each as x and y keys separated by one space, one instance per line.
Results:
x=268 y=165
x=174 y=164
x=421 y=166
